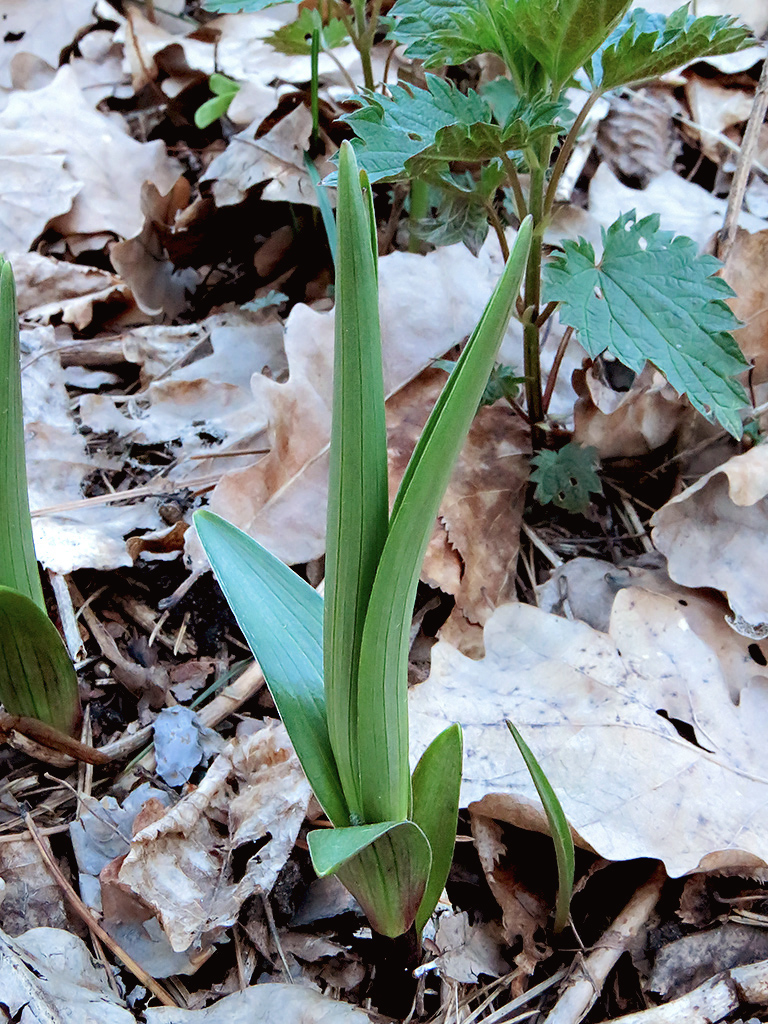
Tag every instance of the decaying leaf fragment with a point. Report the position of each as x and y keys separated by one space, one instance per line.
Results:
x=588 y=705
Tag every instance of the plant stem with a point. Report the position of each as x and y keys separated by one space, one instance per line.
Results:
x=419 y=209
x=498 y=227
x=552 y=378
x=513 y=178
x=546 y=313
x=566 y=149
x=314 y=83
x=532 y=298
x=362 y=38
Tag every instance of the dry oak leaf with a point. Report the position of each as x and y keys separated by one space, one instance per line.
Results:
x=48 y=289
x=745 y=273
x=593 y=706
x=40 y=27
x=99 y=154
x=36 y=187
x=473 y=553
x=715 y=533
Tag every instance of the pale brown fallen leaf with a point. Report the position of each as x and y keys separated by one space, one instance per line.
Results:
x=277 y=158
x=469 y=950
x=180 y=865
x=524 y=914
x=714 y=533
x=714 y=109
x=142 y=262
x=50 y=289
x=624 y=424
x=30 y=898
x=638 y=138
x=36 y=187
x=40 y=27
x=99 y=155
x=685 y=208
x=588 y=704
x=745 y=273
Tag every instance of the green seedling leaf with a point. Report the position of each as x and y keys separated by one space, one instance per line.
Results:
x=558 y=826
x=415 y=133
x=296 y=37
x=281 y=617
x=647 y=45
x=358 y=504
x=436 y=786
x=384 y=866
x=502 y=382
x=567 y=477
x=653 y=297
x=37 y=679
x=383 y=667
x=224 y=90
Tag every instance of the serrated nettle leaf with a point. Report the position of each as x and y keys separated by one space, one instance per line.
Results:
x=358 y=511
x=566 y=477
x=436 y=788
x=454 y=31
x=562 y=35
x=383 y=666
x=458 y=218
x=281 y=617
x=385 y=867
x=558 y=827
x=645 y=45
x=37 y=679
x=296 y=37
x=415 y=133
x=653 y=297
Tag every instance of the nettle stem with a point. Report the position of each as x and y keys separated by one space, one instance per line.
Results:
x=362 y=37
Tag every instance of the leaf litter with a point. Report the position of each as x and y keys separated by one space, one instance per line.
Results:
x=150 y=383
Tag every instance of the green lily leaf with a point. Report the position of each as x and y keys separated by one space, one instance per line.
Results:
x=37 y=679
x=295 y=38
x=415 y=133
x=436 y=786
x=558 y=826
x=281 y=617
x=645 y=45
x=382 y=678
x=358 y=503
x=653 y=297
x=18 y=565
x=384 y=866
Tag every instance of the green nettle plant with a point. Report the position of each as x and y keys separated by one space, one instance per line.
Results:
x=337 y=668
x=650 y=296
x=37 y=679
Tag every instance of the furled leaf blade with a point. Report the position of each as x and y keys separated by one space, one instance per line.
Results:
x=18 y=565
x=37 y=679
x=358 y=503
x=647 y=45
x=566 y=477
x=281 y=617
x=653 y=297
x=436 y=788
x=384 y=649
x=385 y=867
x=558 y=826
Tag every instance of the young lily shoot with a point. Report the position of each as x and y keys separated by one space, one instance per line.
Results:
x=337 y=669
x=37 y=679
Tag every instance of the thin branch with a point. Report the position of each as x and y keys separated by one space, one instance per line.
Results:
x=552 y=378
x=747 y=154
x=498 y=227
x=513 y=178
x=546 y=313
x=566 y=149
x=86 y=915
